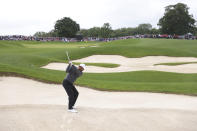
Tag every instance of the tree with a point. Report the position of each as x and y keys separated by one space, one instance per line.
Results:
x=52 y=33
x=83 y=32
x=106 y=30
x=40 y=34
x=195 y=31
x=131 y=31
x=144 y=28
x=155 y=31
x=177 y=20
x=66 y=27
x=120 y=32
x=94 y=32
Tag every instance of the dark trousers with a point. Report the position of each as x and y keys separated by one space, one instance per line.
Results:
x=71 y=92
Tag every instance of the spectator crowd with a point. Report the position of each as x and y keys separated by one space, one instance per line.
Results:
x=64 y=39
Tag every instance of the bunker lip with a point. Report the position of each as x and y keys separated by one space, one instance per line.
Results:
x=132 y=64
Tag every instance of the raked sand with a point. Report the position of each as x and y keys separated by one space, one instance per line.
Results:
x=28 y=105
x=132 y=64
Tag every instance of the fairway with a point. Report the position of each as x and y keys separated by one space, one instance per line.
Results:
x=24 y=58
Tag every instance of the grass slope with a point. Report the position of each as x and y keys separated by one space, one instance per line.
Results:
x=107 y=65
x=177 y=63
x=25 y=58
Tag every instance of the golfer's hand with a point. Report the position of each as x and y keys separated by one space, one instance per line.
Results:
x=70 y=62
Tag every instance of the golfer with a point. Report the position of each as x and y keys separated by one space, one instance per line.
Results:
x=73 y=73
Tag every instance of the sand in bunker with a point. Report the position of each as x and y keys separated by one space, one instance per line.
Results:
x=30 y=105
x=55 y=118
x=132 y=64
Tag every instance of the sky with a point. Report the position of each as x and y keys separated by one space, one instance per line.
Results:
x=25 y=17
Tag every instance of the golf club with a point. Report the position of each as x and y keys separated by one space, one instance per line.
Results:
x=67 y=56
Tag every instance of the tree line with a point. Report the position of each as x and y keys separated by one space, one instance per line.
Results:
x=176 y=21
x=106 y=31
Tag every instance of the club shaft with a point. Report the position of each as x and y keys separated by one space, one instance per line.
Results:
x=67 y=56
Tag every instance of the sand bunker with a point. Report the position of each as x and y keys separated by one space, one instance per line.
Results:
x=55 y=118
x=132 y=64
x=30 y=105
x=14 y=90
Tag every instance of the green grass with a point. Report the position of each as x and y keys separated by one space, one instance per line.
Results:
x=24 y=58
x=107 y=65
x=144 y=81
x=177 y=63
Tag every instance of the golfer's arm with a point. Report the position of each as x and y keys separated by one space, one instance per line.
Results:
x=74 y=68
x=69 y=68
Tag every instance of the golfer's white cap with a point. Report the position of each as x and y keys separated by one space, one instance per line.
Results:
x=83 y=65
